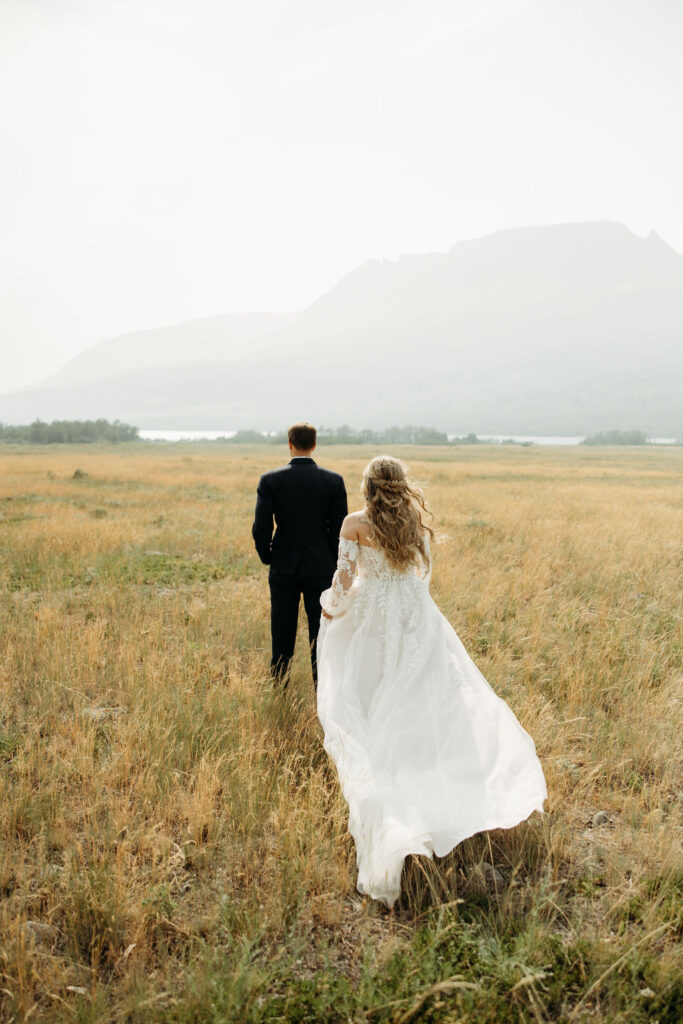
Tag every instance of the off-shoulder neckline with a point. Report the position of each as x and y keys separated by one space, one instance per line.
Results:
x=353 y=540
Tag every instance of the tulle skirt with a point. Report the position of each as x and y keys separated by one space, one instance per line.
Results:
x=427 y=754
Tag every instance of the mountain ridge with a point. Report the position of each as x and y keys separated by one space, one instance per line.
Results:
x=543 y=329
x=212 y=330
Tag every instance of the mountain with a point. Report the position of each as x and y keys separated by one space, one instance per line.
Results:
x=217 y=337
x=559 y=329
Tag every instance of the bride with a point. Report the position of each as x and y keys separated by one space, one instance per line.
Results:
x=427 y=754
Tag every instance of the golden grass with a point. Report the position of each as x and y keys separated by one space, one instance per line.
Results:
x=186 y=841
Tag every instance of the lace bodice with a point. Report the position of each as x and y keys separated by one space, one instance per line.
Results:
x=372 y=562
x=358 y=564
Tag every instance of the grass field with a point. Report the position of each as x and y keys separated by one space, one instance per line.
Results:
x=173 y=843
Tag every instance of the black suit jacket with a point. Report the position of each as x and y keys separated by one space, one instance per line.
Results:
x=308 y=504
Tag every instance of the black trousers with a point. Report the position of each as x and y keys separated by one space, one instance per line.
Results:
x=285 y=592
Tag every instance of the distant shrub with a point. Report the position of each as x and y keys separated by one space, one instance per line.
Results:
x=348 y=435
x=468 y=439
x=246 y=437
x=69 y=432
x=617 y=437
x=392 y=435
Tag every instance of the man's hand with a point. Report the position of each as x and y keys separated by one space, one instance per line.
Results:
x=262 y=530
x=327 y=614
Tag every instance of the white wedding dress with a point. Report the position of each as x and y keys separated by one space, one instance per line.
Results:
x=427 y=754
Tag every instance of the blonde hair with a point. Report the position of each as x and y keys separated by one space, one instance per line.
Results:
x=396 y=509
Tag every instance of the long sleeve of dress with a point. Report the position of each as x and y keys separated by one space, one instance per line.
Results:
x=424 y=570
x=338 y=598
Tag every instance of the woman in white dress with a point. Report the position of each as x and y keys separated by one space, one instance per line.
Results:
x=426 y=753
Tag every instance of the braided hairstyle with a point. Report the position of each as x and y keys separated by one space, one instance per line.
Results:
x=396 y=508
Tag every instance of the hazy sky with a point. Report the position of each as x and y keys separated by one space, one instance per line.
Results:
x=180 y=158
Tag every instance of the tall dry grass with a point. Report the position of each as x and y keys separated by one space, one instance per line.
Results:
x=173 y=841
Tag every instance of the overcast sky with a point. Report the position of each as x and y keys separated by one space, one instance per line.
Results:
x=181 y=158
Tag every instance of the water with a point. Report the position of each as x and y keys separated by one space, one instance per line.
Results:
x=533 y=438
x=541 y=439
x=550 y=439
x=185 y=435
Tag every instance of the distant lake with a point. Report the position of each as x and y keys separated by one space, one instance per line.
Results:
x=214 y=435
x=547 y=439
x=522 y=438
x=185 y=435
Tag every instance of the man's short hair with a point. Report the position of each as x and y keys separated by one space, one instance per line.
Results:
x=302 y=435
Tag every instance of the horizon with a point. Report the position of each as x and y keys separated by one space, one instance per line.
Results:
x=536 y=330
x=332 y=435
x=293 y=312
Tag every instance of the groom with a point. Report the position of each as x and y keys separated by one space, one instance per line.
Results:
x=308 y=504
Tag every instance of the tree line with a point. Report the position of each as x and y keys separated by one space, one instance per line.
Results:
x=347 y=435
x=69 y=432
x=618 y=437
x=102 y=431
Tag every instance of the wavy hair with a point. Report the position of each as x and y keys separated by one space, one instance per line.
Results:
x=397 y=512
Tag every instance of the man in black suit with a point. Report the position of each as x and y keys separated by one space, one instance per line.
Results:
x=309 y=506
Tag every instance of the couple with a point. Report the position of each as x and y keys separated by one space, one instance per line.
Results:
x=426 y=753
